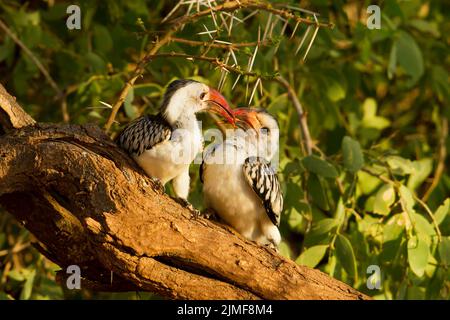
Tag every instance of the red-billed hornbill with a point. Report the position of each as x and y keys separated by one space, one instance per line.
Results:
x=164 y=145
x=239 y=183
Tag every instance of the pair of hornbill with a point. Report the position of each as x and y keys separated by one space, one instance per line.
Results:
x=239 y=183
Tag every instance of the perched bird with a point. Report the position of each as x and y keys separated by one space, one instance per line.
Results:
x=164 y=145
x=239 y=183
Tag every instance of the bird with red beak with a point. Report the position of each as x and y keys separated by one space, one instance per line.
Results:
x=249 y=196
x=165 y=145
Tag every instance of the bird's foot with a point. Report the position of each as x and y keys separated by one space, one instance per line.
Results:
x=210 y=214
x=195 y=213
x=272 y=246
x=158 y=184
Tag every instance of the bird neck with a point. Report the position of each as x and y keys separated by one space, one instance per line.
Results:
x=266 y=144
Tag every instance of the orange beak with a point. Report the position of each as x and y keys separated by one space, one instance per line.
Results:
x=219 y=105
x=246 y=117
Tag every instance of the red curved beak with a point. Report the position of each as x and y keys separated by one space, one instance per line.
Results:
x=219 y=105
x=247 y=117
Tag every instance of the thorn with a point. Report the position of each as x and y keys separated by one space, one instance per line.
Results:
x=234 y=56
x=253 y=91
x=267 y=26
x=311 y=42
x=252 y=61
x=295 y=29
x=235 y=82
x=172 y=11
x=303 y=40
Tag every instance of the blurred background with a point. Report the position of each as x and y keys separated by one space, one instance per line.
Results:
x=376 y=190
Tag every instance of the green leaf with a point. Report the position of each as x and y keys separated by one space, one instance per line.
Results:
x=128 y=105
x=25 y=294
x=324 y=226
x=392 y=61
x=442 y=211
x=444 y=251
x=426 y=26
x=298 y=211
x=312 y=256
x=96 y=62
x=407 y=200
x=418 y=252
x=421 y=170
x=346 y=255
x=335 y=91
x=384 y=198
x=284 y=250
x=422 y=225
x=409 y=56
x=148 y=89
x=353 y=156
x=17 y=275
x=393 y=227
x=319 y=166
x=400 y=165
x=370 y=119
x=103 y=42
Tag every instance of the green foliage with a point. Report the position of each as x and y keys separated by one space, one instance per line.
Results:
x=377 y=105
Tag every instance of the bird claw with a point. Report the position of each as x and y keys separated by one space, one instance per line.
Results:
x=272 y=246
x=210 y=214
x=158 y=184
x=195 y=214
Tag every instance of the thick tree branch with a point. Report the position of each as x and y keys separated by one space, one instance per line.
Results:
x=89 y=204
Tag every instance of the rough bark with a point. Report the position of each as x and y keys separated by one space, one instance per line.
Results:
x=89 y=204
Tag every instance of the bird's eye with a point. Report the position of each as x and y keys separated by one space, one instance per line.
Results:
x=202 y=95
x=265 y=129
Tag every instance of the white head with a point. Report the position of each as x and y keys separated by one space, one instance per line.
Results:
x=264 y=126
x=184 y=98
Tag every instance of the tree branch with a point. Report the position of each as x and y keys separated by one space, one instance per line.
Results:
x=89 y=204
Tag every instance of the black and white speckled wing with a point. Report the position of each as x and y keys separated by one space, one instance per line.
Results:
x=143 y=134
x=264 y=181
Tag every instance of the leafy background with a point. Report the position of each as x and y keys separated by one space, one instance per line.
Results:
x=374 y=192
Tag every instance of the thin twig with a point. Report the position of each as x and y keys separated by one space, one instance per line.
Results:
x=213 y=60
x=216 y=44
x=300 y=112
x=441 y=160
x=430 y=214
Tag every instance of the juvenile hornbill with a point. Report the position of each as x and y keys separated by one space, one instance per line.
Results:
x=164 y=145
x=239 y=183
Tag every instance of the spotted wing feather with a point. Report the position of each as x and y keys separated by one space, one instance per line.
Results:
x=264 y=181
x=143 y=134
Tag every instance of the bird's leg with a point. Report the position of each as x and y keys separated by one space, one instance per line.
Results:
x=181 y=188
x=181 y=184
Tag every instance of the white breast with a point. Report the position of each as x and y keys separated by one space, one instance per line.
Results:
x=228 y=193
x=169 y=159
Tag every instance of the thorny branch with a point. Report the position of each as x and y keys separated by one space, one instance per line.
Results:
x=178 y=23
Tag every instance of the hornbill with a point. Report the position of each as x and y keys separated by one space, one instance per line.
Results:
x=164 y=145
x=239 y=183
